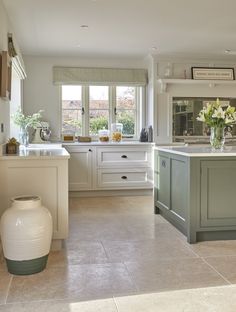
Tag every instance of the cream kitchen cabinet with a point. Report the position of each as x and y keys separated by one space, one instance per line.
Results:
x=110 y=166
x=80 y=167
x=42 y=172
x=124 y=167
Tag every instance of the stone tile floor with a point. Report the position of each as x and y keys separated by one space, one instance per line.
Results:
x=121 y=257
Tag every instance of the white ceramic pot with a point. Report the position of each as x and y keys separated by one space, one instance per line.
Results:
x=26 y=234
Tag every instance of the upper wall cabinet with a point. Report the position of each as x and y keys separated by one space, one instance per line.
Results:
x=5 y=75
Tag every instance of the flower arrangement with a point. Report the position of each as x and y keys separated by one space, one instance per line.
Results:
x=27 y=121
x=215 y=116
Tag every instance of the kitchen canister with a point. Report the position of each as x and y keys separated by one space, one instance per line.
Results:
x=26 y=234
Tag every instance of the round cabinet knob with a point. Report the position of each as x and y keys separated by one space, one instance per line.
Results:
x=124 y=156
x=163 y=163
x=90 y=150
x=124 y=177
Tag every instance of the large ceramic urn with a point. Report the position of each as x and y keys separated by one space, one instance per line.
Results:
x=26 y=234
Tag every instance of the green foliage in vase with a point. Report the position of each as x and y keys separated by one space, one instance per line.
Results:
x=25 y=122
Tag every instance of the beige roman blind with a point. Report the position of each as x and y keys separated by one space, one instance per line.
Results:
x=99 y=76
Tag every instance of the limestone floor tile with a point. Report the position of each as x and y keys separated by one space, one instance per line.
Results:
x=3 y=266
x=212 y=299
x=152 y=230
x=98 y=230
x=5 y=280
x=170 y=274
x=149 y=249
x=214 y=248
x=73 y=282
x=106 y=305
x=112 y=205
x=225 y=265
x=78 y=252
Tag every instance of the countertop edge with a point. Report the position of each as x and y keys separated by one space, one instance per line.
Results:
x=196 y=154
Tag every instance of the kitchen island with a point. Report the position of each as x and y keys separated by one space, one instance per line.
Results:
x=195 y=189
x=40 y=169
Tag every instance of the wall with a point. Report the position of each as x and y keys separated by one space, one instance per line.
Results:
x=40 y=93
x=180 y=68
x=4 y=104
x=5 y=28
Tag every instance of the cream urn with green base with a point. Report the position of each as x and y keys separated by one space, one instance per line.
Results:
x=26 y=234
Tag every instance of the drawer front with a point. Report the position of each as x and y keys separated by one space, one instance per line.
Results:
x=124 y=178
x=111 y=157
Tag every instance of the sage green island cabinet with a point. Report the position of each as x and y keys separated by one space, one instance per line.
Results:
x=195 y=190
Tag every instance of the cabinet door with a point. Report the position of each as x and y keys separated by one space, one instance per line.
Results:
x=80 y=169
x=218 y=193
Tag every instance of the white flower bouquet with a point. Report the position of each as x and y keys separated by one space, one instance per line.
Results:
x=215 y=116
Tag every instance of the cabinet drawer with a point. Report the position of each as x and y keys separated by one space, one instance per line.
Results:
x=111 y=157
x=124 y=178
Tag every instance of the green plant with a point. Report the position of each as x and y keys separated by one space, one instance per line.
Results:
x=27 y=121
x=98 y=123
x=128 y=122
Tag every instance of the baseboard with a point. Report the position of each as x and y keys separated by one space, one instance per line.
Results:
x=142 y=192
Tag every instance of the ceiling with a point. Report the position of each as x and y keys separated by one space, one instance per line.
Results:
x=123 y=28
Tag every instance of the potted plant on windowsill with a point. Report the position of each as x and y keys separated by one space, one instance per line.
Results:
x=26 y=122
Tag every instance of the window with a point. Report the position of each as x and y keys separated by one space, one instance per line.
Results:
x=126 y=109
x=15 y=101
x=87 y=109
x=98 y=108
x=72 y=109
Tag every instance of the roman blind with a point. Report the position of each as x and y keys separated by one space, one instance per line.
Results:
x=99 y=76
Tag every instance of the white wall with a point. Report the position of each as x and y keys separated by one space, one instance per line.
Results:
x=5 y=28
x=4 y=104
x=181 y=69
x=40 y=93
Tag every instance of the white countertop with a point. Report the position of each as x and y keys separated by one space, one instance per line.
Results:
x=39 y=152
x=198 y=151
x=109 y=143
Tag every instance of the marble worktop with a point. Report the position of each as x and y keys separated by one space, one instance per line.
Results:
x=198 y=151
x=109 y=143
x=38 y=152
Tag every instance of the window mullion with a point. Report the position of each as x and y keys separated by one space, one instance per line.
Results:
x=137 y=111
x=85 y=116
x=112 y=104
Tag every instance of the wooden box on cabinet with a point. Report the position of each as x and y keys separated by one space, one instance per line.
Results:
x=5 y=75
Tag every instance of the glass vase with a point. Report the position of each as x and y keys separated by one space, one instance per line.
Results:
x=24 y=136
x=217 y=138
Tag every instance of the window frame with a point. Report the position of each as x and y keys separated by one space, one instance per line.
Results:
x=140 y=116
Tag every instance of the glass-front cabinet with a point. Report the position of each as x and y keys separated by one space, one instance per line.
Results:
x=185 y=125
